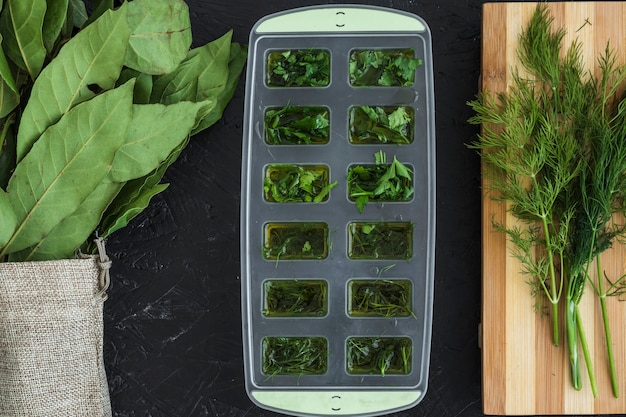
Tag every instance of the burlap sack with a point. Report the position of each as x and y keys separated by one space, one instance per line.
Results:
x=51 y=332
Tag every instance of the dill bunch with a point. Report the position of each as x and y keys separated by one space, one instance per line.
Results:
x=554 y=150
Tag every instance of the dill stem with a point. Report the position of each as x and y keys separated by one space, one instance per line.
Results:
x=585 y=346
x=572 y=341
x=554 y=296
x=607 y=329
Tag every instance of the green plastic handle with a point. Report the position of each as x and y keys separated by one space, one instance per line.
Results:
x=341 y=19
x=337 y=403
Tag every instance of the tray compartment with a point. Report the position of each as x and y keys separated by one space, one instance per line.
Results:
x=295 y=355
x=381 y=124
x=295 y=240
x=295 y=298
x=297 y=125
x=383 y=67
x=298 y=68
x=380 y=240
x=376 y=355
x=380 y=298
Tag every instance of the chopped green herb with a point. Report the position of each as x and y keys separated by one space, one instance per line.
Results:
x=380 y=240
x=295 y=355
x=295 y=298
x=286 y=183
x=385 y=67
x=379 y=355
x=298 y=68
x=298 y=125
x=381 y=124
x=379 y=182
x=294 y=240
x=383 y=298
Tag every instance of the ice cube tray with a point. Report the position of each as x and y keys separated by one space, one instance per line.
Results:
x=337 y=289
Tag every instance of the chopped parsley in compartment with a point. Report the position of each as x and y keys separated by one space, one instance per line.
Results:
x=383 y=67
x=297 y=125
x=298 y=68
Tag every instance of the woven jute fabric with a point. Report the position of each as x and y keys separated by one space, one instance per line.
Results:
x=51 y=335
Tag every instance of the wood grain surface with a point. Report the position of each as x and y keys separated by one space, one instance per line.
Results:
x=523 y=372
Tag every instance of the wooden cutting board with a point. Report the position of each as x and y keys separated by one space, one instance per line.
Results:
x=523 y=373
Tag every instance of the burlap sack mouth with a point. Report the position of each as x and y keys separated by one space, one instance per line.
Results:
x=51 y=335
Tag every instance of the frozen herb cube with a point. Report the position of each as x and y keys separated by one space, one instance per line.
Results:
x=287 y=183
x=295 y=355
x=295 y=298
x=380 y=240
x=298 y=68
x=376 y=124
x=381 y=298
x=295 y=240
x=379 y=355
x=381 y=181
x=383 y=67
x=299 y=125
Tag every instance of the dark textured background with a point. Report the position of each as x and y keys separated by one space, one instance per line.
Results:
x=172 y=322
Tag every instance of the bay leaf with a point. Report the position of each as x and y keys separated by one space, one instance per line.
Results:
x=76 y=16
x=202 y=75
x=53 y=22
x=8 y=219
x=143 y=84
x=98 y=7
x=213 y=65
x=7 y=152
x=5 y=71
x=130 y=211
x=66 y=237
x=155 y=131
x=236 y=63
x=93 y=57
x=66 y=164
x=9 y=100
x=160 y=35
x=21 y=24
x=131 y=199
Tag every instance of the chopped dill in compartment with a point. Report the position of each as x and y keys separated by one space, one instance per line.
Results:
x=379 y=355
x=297 y=125
x=288 y=183
x=380 y=298
x=295 y=298
x=380 y=240
x=295 y=240
x=295 y=355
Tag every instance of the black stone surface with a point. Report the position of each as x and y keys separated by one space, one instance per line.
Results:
x=172 y=322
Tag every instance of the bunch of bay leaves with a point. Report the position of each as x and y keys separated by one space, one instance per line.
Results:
x=94 y=107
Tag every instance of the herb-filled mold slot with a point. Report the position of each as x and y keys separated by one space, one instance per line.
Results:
x=284 y=355
x=295 y=298
x=380 y=298
x=380 y=240
x=383 y=67
x=295 y=240
x=381 y=124
x=380 y=182
x=375 y=355
x=297 y=125
x=292 y=183
x=298 y=68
